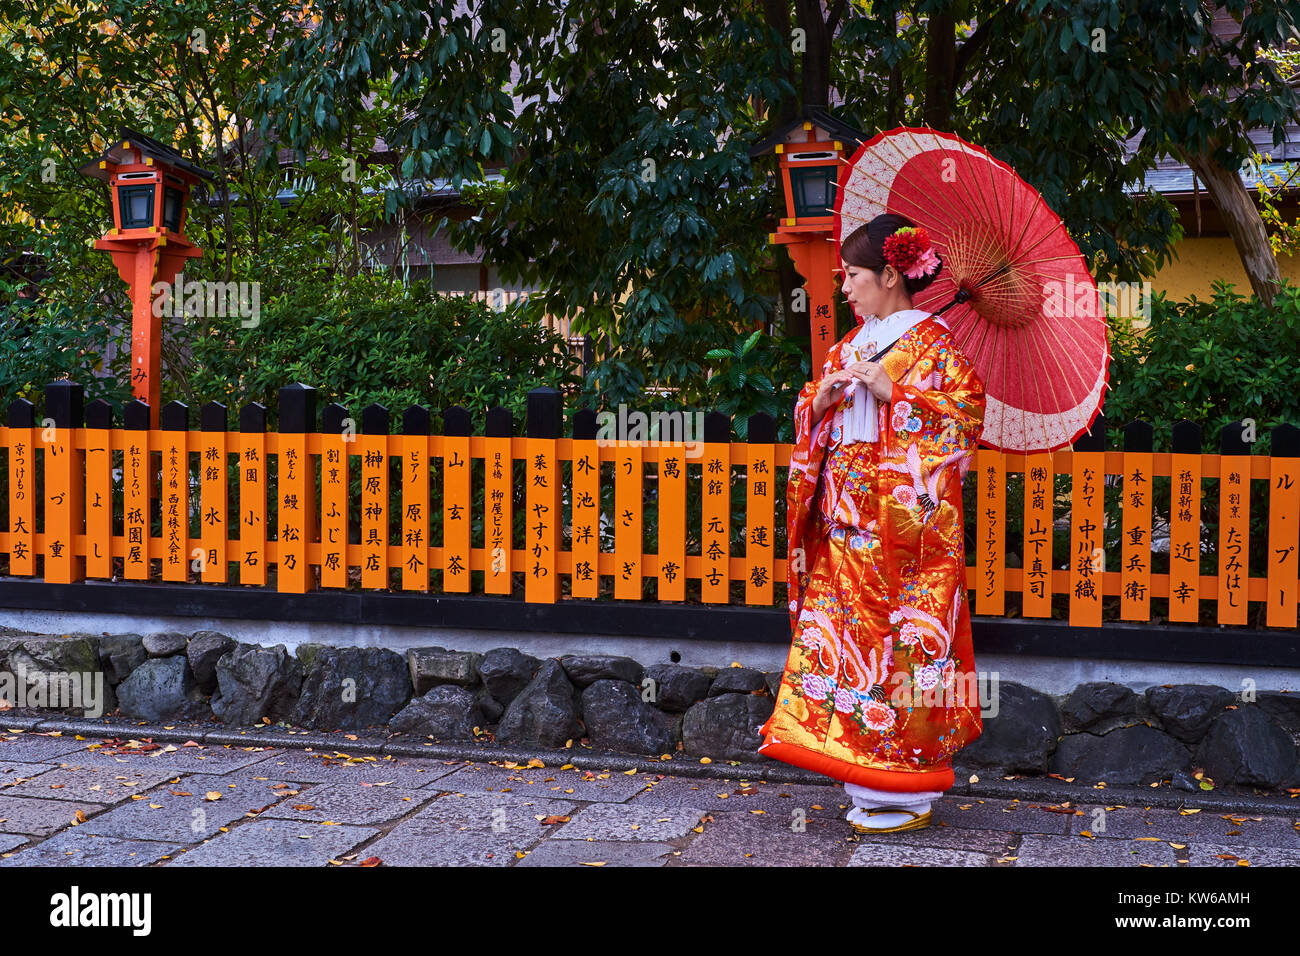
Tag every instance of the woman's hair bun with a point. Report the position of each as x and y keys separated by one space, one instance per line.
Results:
x=865 y=247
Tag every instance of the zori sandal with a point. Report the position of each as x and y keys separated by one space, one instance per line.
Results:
x=918 y=822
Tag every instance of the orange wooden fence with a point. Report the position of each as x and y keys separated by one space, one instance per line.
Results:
x=64 y=530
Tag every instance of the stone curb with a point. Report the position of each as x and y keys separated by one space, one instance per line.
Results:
x=990 y=785
x=1050 y=790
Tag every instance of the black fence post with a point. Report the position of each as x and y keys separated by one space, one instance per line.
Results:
x=584 y=424
x=455 y=421
x=1094 y=439
x=1139 y=436
x=1285 y=441
x=1232 y=439
x=64 y=481
x=296 y=408
x=500 y=423
x=717 y=428
x=1186 y=438
x=63 y=403
x=545 y=413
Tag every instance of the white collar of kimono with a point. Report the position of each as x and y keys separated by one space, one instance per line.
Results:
x=860 y=419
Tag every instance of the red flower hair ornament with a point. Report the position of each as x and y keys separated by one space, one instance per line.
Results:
x=909 y=251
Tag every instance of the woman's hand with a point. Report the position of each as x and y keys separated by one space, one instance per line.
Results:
x=871 y=374
x=876 y=379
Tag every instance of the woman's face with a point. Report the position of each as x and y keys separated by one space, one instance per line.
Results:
x=867 y=292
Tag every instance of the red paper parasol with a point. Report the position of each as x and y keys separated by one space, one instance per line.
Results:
x=1027 y=313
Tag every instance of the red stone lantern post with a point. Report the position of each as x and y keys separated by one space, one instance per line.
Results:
x=149 y=186
x=812 y=154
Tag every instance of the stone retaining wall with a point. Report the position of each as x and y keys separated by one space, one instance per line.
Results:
x=1099 y=732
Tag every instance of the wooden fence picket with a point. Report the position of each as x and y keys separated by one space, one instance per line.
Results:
x=62 y=486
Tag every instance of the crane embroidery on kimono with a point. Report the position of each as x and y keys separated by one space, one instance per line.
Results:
x=925 y=486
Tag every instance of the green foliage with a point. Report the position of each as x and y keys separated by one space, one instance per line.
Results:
x=1283 y=231
x=1211 y=362
x=365 y=341
x=44 y=341
x=627 y=194
x=759 y=373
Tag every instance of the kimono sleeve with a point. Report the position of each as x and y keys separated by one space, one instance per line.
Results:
x=803 y=405
x=946 y=418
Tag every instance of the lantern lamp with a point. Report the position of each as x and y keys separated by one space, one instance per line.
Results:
x=149 y=185
x=135 y=205
x=173 y=206
x=813 y=178
x=811 y=150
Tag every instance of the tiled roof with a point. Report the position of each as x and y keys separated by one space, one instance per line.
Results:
x=1179 y=179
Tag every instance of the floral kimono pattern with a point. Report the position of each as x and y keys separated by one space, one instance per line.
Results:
x=879 y=688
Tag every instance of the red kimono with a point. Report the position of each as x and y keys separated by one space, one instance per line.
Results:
x=880 y=687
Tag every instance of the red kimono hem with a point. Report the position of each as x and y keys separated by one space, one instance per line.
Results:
x=906 y=781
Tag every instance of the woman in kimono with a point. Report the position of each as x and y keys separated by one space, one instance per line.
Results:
x=879 y=688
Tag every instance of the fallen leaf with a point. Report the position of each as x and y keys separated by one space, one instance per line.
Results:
x=212 y=795
x=554 y=818
x=601 y=863
x=370 y=861
x=304 y=806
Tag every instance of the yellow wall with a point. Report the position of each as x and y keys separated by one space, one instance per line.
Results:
x=1199 y=261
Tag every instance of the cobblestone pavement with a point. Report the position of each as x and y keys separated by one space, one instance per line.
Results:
x=74 y=799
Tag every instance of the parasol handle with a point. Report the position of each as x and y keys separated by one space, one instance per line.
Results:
x=963 y=295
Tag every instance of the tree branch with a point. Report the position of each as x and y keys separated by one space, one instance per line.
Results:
x=833 y=21
x=974 y=43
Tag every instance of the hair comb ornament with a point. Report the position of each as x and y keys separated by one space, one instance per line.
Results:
x=909 y=251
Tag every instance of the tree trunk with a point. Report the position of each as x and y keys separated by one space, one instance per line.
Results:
x=940 y=69
x=816 y=85
x=777 y=14
x=1243 y=222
